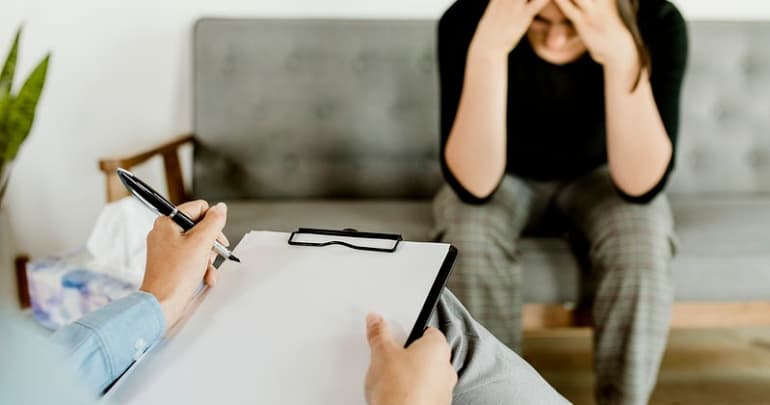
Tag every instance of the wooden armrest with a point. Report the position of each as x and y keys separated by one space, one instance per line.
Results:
x=173 y=170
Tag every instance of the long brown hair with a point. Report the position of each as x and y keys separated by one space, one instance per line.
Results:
x=628 y=10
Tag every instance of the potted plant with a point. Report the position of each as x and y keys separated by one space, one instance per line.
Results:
x=17 y=111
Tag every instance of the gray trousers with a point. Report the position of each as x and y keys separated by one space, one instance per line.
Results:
x=629 y=248
x=488 y=371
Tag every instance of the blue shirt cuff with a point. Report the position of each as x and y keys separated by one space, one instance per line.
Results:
x=104 y=343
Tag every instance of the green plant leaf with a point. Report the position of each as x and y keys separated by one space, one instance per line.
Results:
x=21 y=114
x=5 y=106
x=9 y=67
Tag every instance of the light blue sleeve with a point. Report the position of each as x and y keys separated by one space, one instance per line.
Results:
x=32 y=370
x=104 y=343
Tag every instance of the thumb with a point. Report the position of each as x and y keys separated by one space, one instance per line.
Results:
x=378 y=334
x=209 y=228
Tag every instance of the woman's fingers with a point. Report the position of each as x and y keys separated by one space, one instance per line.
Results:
x=583 y=4
x=534 y=6
x=570 y=10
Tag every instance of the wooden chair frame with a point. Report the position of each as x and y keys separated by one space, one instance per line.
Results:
x=536 y=317
x=173 y=169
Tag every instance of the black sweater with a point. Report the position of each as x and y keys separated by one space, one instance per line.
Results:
x=556 y=114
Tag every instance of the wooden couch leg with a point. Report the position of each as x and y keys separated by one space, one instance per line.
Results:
x=22 y=284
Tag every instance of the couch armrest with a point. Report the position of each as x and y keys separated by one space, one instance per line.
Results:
x=173 y=170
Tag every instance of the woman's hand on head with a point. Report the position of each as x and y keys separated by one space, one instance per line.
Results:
x=418 y=375
x=503 y=25
x=601 y=28
x=178 y=261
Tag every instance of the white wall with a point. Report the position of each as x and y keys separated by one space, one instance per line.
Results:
x=119 y=82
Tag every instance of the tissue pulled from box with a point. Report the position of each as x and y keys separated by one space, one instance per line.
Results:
x=118 y=241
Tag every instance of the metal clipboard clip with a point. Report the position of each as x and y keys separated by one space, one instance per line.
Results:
x=351 y=238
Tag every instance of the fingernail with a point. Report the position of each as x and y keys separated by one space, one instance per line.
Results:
x=372 y=319
x=220 y=206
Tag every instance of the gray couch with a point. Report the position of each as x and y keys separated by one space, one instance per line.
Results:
x=333 y=123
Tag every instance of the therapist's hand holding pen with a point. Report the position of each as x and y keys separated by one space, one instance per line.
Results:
x=177 y=261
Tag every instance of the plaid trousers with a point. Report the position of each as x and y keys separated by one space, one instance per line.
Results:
x=629 y=248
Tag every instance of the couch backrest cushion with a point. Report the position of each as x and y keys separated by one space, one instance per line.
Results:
x=724 y=142
x=289 y=108
x=315 y=108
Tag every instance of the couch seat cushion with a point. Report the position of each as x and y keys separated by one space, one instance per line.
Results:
x=724 y=243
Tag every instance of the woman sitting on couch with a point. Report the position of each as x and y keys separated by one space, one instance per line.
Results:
x=566 y=110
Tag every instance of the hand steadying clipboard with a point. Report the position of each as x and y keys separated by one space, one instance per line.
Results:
x=287 y=326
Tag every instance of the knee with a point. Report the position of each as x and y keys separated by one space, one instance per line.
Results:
x=448 y=208
x=635 y=238
x=481 y=222
x=635 y=262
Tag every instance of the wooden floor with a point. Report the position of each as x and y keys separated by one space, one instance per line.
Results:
x=701 y=366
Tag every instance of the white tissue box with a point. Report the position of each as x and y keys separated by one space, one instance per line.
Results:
x=64 y=288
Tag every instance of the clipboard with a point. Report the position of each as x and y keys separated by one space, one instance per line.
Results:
x=392 y=241
x=295 y=328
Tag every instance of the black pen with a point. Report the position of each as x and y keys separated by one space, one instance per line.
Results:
x=161 y=206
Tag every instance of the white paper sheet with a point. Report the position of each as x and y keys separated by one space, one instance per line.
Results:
x=287 y=325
